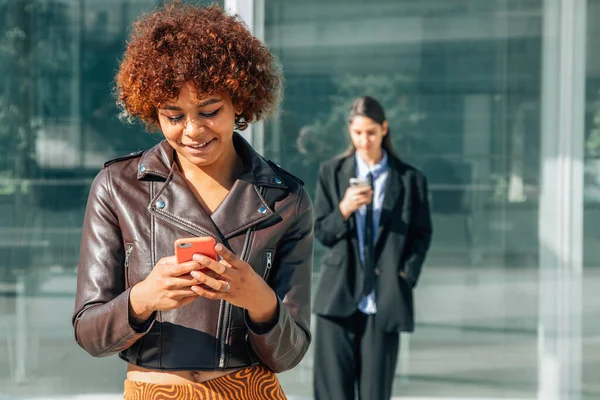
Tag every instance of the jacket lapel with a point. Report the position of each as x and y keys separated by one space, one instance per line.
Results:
x=394 y=191
x=346 y=171
x=249 y=208
x=175 y=202
x=243 y=207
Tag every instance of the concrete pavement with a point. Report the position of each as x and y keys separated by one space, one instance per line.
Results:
x=476 y=338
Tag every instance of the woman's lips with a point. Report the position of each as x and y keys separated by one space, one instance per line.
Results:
x=196 y=149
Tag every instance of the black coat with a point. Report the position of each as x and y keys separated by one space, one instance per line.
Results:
x=402 y=241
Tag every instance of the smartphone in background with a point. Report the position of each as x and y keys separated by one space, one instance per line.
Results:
x=359 y=182
x=185 y=248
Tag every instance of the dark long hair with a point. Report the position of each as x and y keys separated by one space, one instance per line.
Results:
x=367 y=106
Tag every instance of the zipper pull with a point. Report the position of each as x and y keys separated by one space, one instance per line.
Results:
x=128 y=254
x=269 y=262
x=269 y=259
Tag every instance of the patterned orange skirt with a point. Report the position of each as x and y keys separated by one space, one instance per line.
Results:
x=253 y=383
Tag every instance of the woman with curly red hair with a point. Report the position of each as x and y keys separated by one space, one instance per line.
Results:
x=215 y=327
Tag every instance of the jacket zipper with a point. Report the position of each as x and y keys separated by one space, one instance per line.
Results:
x=128 y=252
x=223 y=309
x=269 y=264
x=227 y=306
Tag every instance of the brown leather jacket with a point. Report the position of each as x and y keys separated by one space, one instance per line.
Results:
x=138 y=205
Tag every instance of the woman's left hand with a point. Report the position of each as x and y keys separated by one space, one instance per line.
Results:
x=236 y=282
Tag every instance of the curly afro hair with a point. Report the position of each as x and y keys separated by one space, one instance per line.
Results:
x=183 y=43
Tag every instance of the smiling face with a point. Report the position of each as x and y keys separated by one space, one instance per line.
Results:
x=367 y=136
x=199 y=127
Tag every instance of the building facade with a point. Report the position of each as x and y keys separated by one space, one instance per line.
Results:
x=496 y=101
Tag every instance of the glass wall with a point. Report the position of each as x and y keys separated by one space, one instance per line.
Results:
x=461 y=81
x=58 y=124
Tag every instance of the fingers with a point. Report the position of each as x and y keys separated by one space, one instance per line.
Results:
x=228 y=260
x=206 y=262
x=180 y=282
x=364 y=190
x=171 y=260
x=228 y=256
x=362 y=199
x=215 y=284
x=182 y=269
x=182 y=293
x=209 y=294
x=360 y=190
x=366 y=193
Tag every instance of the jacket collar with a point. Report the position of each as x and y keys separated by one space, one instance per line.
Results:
x=174 y=202
x=159 y=161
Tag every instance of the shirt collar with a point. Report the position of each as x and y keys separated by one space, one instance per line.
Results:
x=362 y=168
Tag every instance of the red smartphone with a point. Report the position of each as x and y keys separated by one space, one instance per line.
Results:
x=185 y=248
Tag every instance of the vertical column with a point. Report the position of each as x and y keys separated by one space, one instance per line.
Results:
x=561 y=200
x=77 y=129
x=252 y=12
x=258 y=128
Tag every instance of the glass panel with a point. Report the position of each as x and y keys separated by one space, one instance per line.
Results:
x=58 y=124
x=591 y=220
x=460 y=81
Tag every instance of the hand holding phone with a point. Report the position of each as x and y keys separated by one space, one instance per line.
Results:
x=185 y=248
x=358 y=194
x=157 y=293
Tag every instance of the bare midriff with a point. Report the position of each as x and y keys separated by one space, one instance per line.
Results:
x=140 y=374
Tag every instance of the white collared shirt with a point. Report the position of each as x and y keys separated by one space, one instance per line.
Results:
x=380 y=174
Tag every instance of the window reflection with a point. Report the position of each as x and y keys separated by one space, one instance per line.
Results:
x=460 y=82
x=58 y=124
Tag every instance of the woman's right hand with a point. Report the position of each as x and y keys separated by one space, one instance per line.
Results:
x=167 y=287
x=354 y=198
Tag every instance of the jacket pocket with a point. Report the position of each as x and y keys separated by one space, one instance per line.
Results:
x=268 y=263
x=128 y=262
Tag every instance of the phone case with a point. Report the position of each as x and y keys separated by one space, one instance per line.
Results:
x=185 y=248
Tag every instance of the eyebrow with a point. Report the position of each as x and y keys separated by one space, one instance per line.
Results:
x=203 y=104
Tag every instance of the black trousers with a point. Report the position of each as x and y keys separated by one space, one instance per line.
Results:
x=353 y=355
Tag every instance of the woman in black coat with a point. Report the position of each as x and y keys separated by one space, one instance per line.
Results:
x=364 y=297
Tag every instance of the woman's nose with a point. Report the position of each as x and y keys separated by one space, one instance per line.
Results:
x=193 y=128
